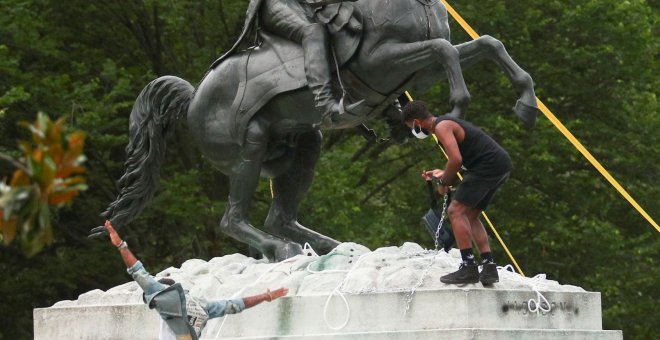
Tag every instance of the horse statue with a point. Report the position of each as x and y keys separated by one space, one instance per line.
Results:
x=253 y=114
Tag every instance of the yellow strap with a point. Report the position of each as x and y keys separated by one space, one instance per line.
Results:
x=483 y=213
x=460 y=20
x=566 y=133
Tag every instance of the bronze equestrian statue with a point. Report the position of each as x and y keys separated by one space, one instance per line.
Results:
x=298 y=67
x=290 y=20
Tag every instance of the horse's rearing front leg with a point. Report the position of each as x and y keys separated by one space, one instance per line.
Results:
x=487 y=47
x=412 y=57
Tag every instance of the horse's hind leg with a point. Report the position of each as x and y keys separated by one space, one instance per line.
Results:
x=487 y=47
x=289 y=188
x=244 y=178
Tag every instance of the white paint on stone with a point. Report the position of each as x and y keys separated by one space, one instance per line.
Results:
x=387 y=269
x=375 y=283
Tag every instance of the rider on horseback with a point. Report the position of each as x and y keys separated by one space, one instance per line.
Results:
x=290 y=20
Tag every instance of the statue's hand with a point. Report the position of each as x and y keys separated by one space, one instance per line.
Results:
x=106 y=230
x=98 y=232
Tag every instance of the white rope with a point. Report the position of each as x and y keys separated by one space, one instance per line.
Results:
x=337 y=291
x=538 y=305
x=540 y=299
x=508 y=268
x=240 y=291
x=541 y=304
x=327 y=303
x=309 y=251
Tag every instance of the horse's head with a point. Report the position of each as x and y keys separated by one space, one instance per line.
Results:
x=399 y=132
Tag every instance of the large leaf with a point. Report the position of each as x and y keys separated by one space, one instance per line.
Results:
x=42 y=180
x=7 y=229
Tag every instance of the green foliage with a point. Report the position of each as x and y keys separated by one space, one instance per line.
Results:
x=46 y=176
x=354 y=198
x=595 y=65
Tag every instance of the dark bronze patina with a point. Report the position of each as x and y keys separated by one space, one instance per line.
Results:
x=259 y=109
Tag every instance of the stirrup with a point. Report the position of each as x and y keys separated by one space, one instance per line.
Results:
x=350 y=108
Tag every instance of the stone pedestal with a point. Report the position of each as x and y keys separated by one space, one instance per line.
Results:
x=471 y=313
x=376 y=287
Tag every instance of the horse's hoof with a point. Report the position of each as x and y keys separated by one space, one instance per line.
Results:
x=326 y=245
x=98 y=232
x=526 y=113
x=290 y=249
x=458 y=111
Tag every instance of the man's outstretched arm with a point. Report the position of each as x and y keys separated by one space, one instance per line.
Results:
x=220 y=308
x=135 y=268
x=269 y=296
x=126 y=254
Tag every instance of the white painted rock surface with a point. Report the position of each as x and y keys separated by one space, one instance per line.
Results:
x=353 y=266
x=351 y=293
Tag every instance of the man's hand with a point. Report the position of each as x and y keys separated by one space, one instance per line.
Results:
x=428 y=175
x=114 y=237
x=277 y=293
x=431 y=174
x=251 y=301
x=442 y=190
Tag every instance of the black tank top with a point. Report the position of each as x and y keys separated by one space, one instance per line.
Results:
x=481 y=154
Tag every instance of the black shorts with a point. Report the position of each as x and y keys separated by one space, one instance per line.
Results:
x=476 y=191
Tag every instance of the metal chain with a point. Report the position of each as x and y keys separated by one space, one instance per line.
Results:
x=442 y=219
x=409 y=297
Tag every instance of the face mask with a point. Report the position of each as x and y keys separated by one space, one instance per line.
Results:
x=418 y=132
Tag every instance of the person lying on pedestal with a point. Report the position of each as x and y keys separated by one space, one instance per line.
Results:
x=182 y=316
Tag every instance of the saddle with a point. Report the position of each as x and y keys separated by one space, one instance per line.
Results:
x=344 y=23
x=276 y=65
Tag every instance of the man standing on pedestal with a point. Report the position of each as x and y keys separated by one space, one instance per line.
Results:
x=182 y=316
x=488 y=166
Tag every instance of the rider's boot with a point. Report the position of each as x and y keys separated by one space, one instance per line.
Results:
x=317 y=69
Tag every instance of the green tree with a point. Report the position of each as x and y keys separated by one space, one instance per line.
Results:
x=594 y=63
x=46 y=176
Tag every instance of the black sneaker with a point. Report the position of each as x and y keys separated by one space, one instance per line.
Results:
x=466 y=273
x=489 y=274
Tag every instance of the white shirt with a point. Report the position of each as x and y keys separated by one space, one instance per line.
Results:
x=166 y=332
x=197 y=318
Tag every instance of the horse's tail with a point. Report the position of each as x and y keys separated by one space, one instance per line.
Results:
x=152 y=120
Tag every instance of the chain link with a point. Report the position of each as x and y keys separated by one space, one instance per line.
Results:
x=442 y=219
x=409 y=296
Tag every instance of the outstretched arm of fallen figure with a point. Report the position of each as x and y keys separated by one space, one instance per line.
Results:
x=219 y=308
x=135 y=268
